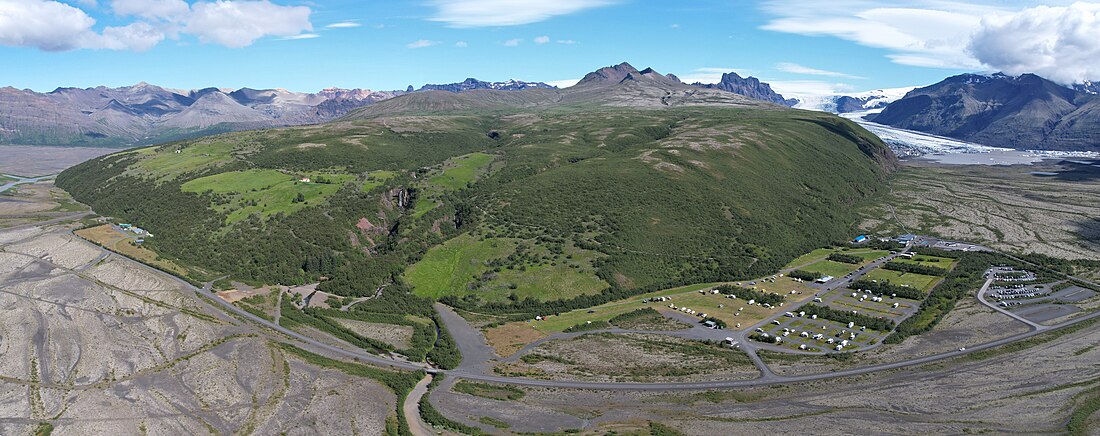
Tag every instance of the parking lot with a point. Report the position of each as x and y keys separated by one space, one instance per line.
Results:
x=1022 y=293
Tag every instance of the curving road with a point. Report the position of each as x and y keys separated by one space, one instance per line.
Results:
x=474 y=371
x=981 y=297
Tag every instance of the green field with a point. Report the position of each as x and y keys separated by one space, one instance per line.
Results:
x=605 y=312
x=830 y=268
x=264 y=192
x=457 y=173
x=919 y=281
x=461 y=267
x=920 y=259
x=166 y=163
x=375 y=179
x=803 y=261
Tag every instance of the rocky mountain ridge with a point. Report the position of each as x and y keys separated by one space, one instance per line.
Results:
x=1024 y=112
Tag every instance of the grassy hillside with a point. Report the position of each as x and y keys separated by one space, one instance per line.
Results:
x=506 y=212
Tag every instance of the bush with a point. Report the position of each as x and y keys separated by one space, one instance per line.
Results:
x=759 y=337
x=845 y=258
x=844 y=317
x=588 y=326
x=915 y=268
x=805 y=275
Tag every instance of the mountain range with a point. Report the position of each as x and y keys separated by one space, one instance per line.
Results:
x=148 y=114
x=853 y=102
x=749 y=87
x=1024 y=112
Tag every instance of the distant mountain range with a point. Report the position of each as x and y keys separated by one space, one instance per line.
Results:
x=148 y=114
x=1023 y=112
x=619 y=85
x=472 y=84
x=853 y=102
x=749 y=87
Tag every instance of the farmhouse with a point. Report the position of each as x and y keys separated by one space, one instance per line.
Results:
x=824 y=279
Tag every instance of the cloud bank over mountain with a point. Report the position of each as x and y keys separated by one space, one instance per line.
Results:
x=55 y=26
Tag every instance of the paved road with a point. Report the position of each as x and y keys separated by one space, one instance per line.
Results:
x=312 y=343
x=473 y=373
x=981 y=297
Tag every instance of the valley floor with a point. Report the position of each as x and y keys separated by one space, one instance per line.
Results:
x=1047 y=208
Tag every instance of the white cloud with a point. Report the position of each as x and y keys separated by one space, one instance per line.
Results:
x=47 y=25
x=300 y=36
x=421 y=43
x=793 y=68
x=1057 y=39
x=542 y=39
x=513 y=42
x=240 y=23
x=563 y=83
x=929 y=33
x=135 y=36
x=804 y=89
x=461 y=44
x=344 y=25
x=483 y=13
x=1059 y=43
x=674 y=26
x=55 y=26
x=566 y=41
x=151 y=9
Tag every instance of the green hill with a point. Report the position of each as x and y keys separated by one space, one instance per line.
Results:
x=511 y=208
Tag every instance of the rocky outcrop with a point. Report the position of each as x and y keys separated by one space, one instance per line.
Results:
x=749 y=87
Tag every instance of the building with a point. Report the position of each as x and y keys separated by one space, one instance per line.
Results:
x=907 y=238
x=824 y=279
x=860 y=239
x=304 y=180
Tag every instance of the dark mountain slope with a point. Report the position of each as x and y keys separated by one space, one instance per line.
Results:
x=1025 y=112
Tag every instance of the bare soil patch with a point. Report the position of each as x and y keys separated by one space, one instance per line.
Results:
x=396 y=335
x=633 y=357
x=507 y=339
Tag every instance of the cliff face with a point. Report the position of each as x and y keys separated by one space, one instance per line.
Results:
x=749 y=87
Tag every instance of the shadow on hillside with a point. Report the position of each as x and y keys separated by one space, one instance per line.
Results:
x=1077 y=170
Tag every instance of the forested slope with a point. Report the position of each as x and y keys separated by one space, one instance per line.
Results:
x=549 y=199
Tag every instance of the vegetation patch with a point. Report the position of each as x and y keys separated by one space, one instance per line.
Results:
x=491 y=391
x=502 y=269
x=647 y=318
x=917 y=281
x=264 y=192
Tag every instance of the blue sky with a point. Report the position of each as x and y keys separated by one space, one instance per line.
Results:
x=801 y=46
